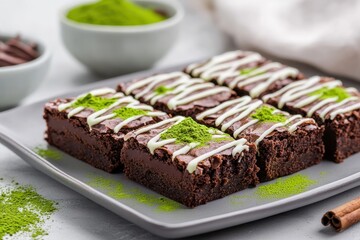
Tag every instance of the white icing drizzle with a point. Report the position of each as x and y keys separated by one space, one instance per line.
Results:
x=239 y=146
x=244 y=107
x=245 y=126
x=245 y=111
x=294 y=127
x=227 y=66
x=155 y=142
x=176 y=119
x=158 y=78
x=319 y=105
x=296 y=93
x=334 y=106
x=226 y=70
x=275 y=76
x=273 y=127
x=344 y=110
x=184 y=150
x=186 y=89
x=226 y=104
x=98 y=117
x=302 y=88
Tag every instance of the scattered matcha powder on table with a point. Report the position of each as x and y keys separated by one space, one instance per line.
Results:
x=326 y=92
x=114 y=13
x=24 y=211
x=48 y=153
x=265 y=114
x=285 y=187
x=118 y=191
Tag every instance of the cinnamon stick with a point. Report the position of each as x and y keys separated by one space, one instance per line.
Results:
x=343 y=216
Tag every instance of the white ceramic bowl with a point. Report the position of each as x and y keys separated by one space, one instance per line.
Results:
x=18 y=81
x=114 y=50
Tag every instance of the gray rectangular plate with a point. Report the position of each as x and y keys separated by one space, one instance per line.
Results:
x=22 y=129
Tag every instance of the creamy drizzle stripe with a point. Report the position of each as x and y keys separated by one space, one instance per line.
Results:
x=302 y=88
x=186 y=89
x=239 y=147
x=97 y=116
x=245 y=108
x=158 y=78
x=154 y=143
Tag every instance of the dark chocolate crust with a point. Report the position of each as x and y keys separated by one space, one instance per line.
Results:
x=245 y=90
x=190 y=109
x=214 y=178
x=99 y=147
x=342 y=134
x=280 y=153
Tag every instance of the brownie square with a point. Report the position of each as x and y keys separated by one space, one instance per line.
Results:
x=285 y=143
x=191 y=175
x=78 y=132
x=177 y=93
x=247 y=73
x=332 y=105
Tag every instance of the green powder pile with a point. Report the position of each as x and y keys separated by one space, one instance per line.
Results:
x=265 y=114
x=114 y=13
x=248 y=71
x=117 y=190
x=94 y=102
x=160 y=90
x=326 y=92
x=48 y=153
x=126 y=112
x=188 y=131
x=285 y=187
x=24 y=211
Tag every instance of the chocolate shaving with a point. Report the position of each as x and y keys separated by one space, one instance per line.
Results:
x=15 y=52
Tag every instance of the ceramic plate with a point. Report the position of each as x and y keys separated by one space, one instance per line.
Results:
x=22 y=130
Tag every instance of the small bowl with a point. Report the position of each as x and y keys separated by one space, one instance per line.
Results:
x=18 y=81
x=114 y=50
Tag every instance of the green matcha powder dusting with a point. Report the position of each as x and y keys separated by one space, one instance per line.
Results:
x=248 y=71
x=114 y=13
x=265 y=114
x=188 y=131
x=24 y=211
x=160 y=90
x=94 y=102
x=126 y=112
x=326 y=92
x=285 y=187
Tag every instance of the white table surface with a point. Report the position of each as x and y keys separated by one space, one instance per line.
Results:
x=79 y=218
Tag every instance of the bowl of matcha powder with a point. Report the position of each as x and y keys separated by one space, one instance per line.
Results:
x=113 y=37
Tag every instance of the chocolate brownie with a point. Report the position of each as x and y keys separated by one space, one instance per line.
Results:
x=92 y=126
x=285 y=143
x=331 y=105
x=177 y=93
x=188 y=162
x=247 y=73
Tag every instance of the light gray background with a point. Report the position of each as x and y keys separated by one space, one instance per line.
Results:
x=79 y=218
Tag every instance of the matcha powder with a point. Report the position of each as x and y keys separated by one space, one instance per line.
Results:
x=188 y=131
x=285 y=187
x=114 y=13
x=23 y=211
x=265 y=114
